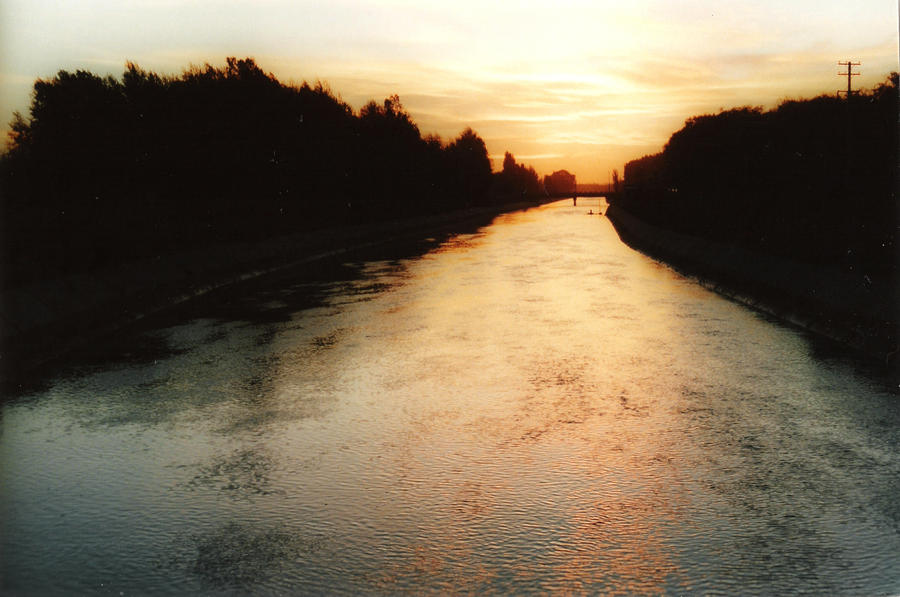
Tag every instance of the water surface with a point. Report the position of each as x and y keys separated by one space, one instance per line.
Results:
x=531 y=407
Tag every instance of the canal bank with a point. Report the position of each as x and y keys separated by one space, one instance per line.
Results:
x=836 y=303
x=46 y=320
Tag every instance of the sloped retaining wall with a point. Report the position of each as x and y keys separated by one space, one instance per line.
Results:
x=828 y=300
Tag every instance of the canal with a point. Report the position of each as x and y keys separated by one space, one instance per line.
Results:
x=526 y=408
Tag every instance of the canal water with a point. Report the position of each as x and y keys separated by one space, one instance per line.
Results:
x=531 y=407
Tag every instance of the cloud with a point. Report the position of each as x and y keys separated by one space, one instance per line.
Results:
x=596 y=82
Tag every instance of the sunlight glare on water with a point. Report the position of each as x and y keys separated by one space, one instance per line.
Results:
x=529 y=407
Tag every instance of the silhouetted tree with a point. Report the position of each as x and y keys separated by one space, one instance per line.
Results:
x=560 y=182
x=814 y=179
x=470 y=166
x=103 y=171
x=517 y=180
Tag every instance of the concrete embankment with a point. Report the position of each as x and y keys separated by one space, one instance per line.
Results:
x=43 y=321
x=832 y=301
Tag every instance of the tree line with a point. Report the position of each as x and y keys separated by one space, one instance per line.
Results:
x=519 y=181
x=812 y=179
x=105 y=170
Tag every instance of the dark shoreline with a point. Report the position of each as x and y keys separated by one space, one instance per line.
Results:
x=46 y=321
x=833 y=303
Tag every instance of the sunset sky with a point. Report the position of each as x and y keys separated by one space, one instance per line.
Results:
x=582 y=85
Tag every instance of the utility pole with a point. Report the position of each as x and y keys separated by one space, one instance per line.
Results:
x=848 y=145
x=849 y=74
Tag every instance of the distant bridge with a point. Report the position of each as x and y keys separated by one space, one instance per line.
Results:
x=578 y=194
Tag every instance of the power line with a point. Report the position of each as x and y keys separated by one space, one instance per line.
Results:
x=849 y=74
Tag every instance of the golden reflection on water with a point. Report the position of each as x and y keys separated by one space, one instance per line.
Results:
x=530 y=408
x=478 y=379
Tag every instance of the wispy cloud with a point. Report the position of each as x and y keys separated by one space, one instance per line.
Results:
x=580 y=84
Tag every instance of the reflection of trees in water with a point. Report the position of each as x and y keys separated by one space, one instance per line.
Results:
x=241 y=473
x=238 y=555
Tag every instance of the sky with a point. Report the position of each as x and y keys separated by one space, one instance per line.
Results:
x=574 y=84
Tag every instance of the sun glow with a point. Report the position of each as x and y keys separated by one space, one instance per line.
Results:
x=579 y=85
